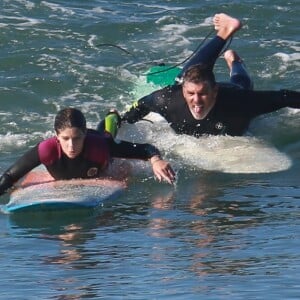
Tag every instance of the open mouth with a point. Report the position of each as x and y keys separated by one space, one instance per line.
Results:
x=198 y=109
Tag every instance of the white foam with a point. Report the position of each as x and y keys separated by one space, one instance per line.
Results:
x=163 y=19
x=26 y=3
x=207 y=22
x=58 y=8
x=164 y=7
x=91 y=40
x=175 y=29
x=11 y=141
x=288 y=59
x=20 y=22
x=215 y=153
x=282 y=8
x=100 y=10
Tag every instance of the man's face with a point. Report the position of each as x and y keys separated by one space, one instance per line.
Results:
x=200 y=98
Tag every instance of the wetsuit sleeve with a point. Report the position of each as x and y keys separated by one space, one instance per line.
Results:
x=291 y=98
x=138 y=110
x=269 y=101
x=154 y=102
x=255 y=103
x=124 y=149
x=21 y=167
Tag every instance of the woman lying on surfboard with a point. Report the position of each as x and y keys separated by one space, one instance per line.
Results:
x=78 y=152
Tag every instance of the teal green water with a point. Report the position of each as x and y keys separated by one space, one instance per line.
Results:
x=229 y=229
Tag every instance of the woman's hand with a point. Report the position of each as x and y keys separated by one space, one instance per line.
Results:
x=162 y=169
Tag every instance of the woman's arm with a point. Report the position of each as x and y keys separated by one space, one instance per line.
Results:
x=21 y=167
x=161 y=168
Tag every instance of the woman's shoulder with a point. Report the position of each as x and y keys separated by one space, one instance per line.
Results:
x=49 y=150
x=96 y=146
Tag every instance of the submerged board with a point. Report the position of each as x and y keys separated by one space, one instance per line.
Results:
x=39 y=191
x=162 y=75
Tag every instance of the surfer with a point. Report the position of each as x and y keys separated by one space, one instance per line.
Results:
x=78 y=152
x=196 y=105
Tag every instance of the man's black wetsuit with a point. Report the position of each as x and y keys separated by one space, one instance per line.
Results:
x=232 y=113
x=96 y=155
x=236 y=104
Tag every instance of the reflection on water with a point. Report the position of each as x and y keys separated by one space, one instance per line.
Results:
x=217 y=229
x=190 y=235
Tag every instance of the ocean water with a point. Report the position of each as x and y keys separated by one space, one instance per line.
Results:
x=228 y=229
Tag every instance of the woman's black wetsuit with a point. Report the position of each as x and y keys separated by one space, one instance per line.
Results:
x=96 y=155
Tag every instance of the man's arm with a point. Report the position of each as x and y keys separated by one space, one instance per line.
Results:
x=139 y=109
x=156 y=102
x=269 y=101
x=291 y=98
x=258 y=102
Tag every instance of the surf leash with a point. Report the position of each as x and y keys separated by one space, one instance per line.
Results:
x=175 y=65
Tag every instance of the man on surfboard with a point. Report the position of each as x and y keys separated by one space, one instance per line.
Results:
x=196 y=105
x=78 y=152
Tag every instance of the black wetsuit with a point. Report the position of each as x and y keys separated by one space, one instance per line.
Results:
x=236 y=104
x=232 y=113
x=93 y=160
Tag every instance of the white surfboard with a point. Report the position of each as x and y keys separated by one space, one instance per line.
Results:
x=39 y=191
x=241 y=154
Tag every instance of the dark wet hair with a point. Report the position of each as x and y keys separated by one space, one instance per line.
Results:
x=198 y=74
x=68 y=118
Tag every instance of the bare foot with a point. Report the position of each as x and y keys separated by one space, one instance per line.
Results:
x=230 y=56
x=225 y=25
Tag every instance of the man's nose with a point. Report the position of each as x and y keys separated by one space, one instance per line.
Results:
x=197 y=97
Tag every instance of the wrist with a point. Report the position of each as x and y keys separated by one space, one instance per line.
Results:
x=155 y=159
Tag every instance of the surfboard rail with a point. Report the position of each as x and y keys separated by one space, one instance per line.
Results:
x=40 y=191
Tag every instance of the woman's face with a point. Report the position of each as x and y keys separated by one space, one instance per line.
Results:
x=71 y=141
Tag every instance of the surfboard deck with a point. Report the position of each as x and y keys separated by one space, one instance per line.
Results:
x=39 y=191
